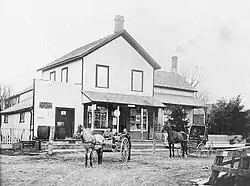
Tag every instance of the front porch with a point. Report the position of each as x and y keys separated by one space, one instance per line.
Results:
x=137 y=114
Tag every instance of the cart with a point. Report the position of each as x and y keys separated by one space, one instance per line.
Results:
x=118 y=143
x=198 y=140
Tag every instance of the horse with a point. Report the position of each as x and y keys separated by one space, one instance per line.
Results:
x=91 y=143
x=176 y=137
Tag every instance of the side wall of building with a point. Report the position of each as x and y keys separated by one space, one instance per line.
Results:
x=14 y=121
x=74 y=72
x=61 y=95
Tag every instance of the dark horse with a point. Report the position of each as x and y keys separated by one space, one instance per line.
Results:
x=91 y=143
x=176 y=137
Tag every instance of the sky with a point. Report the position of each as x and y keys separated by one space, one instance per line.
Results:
x=213 y=35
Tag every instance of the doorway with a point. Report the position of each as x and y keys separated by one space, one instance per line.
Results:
x=65 y=121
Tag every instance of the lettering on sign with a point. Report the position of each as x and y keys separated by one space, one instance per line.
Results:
x=45 y=105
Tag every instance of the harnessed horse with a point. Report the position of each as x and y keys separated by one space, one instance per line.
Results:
x=91 y=143
x=176 y=137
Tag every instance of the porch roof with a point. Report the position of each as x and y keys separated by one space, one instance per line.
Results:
x=24 y=105
x=122 y=99
x=178 y=100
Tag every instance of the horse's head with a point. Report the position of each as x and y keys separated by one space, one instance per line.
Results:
x=166 y=127
x=78 y=133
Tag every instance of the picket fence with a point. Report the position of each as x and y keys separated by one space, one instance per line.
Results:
x=9 y=136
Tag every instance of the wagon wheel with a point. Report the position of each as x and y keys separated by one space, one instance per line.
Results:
x=125 y=149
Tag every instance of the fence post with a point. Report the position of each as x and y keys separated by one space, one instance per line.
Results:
x=51 y=140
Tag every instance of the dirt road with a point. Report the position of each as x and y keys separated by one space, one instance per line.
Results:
x=144 y=168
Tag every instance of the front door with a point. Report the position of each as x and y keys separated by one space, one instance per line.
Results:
x=64 y=126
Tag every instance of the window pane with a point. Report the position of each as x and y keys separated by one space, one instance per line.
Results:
x=64 y=75
x=102 y=76
x=137 y=81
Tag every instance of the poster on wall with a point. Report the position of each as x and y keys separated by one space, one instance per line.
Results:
x=45 y=105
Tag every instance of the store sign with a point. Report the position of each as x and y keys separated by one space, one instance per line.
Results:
x=131 y=106
x=45 y=105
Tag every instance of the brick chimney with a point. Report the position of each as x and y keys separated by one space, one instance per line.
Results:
x=119 y=23
x=174 y=64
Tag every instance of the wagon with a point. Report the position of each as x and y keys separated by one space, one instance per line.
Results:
x=118 y=143
x=198 y=140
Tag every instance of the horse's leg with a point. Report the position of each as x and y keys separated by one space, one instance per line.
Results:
x=183 y=149
x=86 y=158
x=186 y=148
x=170 y=144
x=90 y=157
x=173 y=150
x=101 y=155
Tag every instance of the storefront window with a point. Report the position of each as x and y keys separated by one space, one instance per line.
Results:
x=136 y=121
x=100 y=117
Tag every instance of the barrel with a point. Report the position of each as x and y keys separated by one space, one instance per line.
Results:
x=43 y=132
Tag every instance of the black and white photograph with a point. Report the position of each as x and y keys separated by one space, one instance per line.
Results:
x=125 y=93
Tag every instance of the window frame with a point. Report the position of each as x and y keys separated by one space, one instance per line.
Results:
x=132 y=80
x=20 y=117
x=6 y=119
x=52 y=72
x=67 y=73
x=96 y=76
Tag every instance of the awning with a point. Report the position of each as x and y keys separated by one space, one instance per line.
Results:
x=122 y=99
x=22 y=106
x=178 y=100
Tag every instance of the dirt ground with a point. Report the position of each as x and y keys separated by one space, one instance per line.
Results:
x=67 y=168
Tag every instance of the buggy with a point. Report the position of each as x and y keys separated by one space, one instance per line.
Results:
x=198 y=140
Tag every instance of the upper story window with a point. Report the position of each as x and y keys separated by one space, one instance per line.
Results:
x=64 y=75
x=137 y=80
x=52 y=76
x=102 y=76
x=5 y=118
x=22 y=117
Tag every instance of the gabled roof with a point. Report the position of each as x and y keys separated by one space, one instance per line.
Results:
x=171 y=80
x=91 y=47
x=22 y=106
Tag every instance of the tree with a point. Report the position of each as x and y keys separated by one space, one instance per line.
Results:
x=194 y=80
x=5 y=93
x=178 y=118
x=228 y=117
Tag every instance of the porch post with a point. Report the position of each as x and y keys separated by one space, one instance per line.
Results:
x=117 y=118
x=141 y=123
x=92 y=118
x=154 y=130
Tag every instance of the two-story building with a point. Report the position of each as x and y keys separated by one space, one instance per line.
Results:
x=105 y=84
x=109 y=83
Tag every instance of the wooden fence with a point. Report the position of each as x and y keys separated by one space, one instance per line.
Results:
x=9 y=136
x=237 y=164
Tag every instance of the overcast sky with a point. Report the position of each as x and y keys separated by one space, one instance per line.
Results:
x=213 y=35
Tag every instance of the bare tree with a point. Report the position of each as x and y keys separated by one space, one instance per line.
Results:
x=5 y=93
x=194 y=79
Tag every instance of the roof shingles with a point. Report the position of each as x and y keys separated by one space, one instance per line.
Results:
x=171 y=80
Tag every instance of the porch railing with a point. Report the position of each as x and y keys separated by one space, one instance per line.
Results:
x=14 y=135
